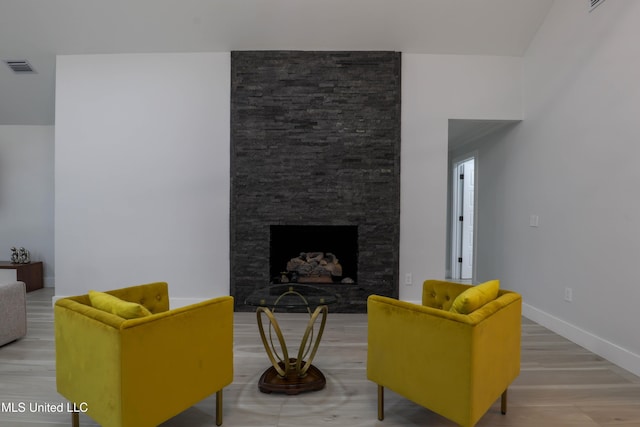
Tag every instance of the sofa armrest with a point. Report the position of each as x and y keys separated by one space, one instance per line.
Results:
x=13 y=312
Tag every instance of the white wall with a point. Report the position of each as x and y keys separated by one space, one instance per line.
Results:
x=26 y=193
x=436 y=88
x=142 y=172
x=574 y=162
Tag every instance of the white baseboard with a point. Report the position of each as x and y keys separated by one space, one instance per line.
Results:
x=598 y=345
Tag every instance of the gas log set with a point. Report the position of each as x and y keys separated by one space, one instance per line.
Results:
x=314 y=267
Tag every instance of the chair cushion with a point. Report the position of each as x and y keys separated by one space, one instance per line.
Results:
x=114 y=305
x=475 y=297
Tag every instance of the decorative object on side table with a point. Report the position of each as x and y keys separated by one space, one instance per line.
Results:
x=14 y=255
x=23 y=256
x=20 y=256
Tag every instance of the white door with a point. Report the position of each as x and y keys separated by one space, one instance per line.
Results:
x=463 y=217
x=466 y=269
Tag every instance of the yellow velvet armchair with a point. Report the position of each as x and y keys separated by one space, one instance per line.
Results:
x=140 y=372
x=456 y=365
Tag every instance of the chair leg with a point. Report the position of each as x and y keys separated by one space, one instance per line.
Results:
x=503 y=403
x=219 y=408
x=380 y=402
x=75 y=419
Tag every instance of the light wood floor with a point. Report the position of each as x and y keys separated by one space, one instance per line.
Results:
x=561 y=384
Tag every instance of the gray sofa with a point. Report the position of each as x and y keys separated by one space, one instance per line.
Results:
x=13 y=312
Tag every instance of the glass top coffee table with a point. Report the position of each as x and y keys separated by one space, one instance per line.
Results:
x=291 y=375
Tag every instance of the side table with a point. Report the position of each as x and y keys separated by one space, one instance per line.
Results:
x=30 y=274
x=288 y=374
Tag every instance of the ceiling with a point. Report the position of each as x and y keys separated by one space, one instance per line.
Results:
x=38 y=30
x=462 y=132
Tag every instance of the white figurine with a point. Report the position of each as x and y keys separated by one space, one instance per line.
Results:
x=23 y=256
x=14 y=255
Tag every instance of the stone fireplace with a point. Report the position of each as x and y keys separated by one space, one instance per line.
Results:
x=315 y=169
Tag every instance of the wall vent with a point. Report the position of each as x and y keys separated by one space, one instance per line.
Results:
x=20 y=67
x=594 y=3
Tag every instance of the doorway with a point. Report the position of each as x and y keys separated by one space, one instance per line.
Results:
x=463 y=211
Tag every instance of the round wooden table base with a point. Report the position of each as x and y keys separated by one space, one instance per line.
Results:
x=271 y=382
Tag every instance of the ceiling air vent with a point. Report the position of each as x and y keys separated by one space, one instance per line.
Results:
x=594 y=3
x=20 y=67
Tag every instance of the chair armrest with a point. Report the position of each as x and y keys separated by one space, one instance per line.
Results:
x=76 y=308
x=88 y=356
x=176 y=358
x=412 y=344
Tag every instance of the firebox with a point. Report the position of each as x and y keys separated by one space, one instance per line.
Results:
x=313 y=253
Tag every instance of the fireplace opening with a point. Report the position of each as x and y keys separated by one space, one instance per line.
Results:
x=313 y=253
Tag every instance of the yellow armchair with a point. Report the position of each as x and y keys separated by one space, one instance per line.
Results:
x=141 y=372
x=456 y=365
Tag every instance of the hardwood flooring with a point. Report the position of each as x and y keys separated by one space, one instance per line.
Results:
x=561 y=384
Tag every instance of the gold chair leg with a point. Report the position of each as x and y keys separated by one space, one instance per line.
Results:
x=75 y=419
x=380 y=402
x=503 y=403
x=219 y=408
